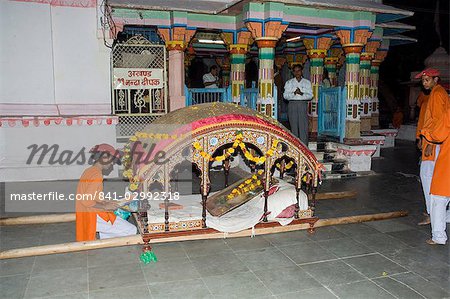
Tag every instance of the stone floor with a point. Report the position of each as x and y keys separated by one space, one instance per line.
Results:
x=384 y=259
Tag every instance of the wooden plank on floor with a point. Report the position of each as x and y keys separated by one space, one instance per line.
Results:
x=336 y=195
x=192 y=235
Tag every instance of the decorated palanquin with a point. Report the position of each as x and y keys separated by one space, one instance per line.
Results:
x=210 y=136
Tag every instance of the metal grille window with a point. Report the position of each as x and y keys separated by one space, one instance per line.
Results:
x=139 y=83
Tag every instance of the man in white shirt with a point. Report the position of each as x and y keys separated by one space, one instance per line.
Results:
x=211 y=80
x=298 y=91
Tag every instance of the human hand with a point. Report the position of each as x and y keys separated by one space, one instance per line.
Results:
x=110 y=205
x=419 y=144
x=298 y=91
x=428 y=150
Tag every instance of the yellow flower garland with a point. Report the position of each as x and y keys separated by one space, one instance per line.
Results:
x=126 y=159
x=248 y=185
x=237 y=142
x=287 y=166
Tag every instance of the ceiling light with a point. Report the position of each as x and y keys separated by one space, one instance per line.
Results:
x=210 y=41
x=293 y=39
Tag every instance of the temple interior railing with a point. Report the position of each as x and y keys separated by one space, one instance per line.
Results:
x=248 y=96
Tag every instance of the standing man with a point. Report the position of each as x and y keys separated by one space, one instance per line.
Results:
x=211 y=80
x=422 y=103
x=433 y=115
x=94 y=213
x=440 y=185
x=298 y=91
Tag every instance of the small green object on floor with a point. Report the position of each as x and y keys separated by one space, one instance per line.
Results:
x=148 y=257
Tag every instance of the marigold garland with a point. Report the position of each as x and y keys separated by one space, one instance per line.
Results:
x=287 y=166
x=246 y=186
x=237 y=142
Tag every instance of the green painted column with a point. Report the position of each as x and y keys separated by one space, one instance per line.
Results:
x=266 y=55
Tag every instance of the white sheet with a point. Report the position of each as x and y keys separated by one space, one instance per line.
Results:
x=243 y=217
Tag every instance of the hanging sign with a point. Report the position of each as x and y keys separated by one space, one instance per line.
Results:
x=125 y=78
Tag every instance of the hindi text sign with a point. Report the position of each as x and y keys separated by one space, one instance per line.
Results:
x=125 y=78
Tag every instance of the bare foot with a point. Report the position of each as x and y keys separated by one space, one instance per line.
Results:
x=425 y=221
x=431 y=242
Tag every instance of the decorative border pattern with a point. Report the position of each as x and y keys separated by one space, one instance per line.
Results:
x=11 y=122
x=375 y=142
x=31 y=109
x=175 y=226
x=346 y=152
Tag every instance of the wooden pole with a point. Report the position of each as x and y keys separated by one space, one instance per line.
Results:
x=336 y=195
x=137 y=239
x=38 y=219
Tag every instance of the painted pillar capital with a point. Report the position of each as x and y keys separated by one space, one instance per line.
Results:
x=367 y=56
x=227 y=37
x=294 y=59
x=176 y=38
x=331 y=60
x=372 y=46
x=354 y=48
x=266 y=42
x=273 y=29
x=376 y=62
x=353 y=36
x=244 y=37
x=178 y=45
x=317 y=53
x=317 y=43
x=238 y=48
x=380 y=55
x=337 y=53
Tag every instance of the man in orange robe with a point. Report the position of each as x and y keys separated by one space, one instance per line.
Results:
x=440 y=185
x=433 y=115
x=422 y=103
x=93 y=211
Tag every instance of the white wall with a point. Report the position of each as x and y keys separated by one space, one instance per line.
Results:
x=16 y=140
x=82 y=65
x=51 y=63
x=52 y=55
x=26 y=53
